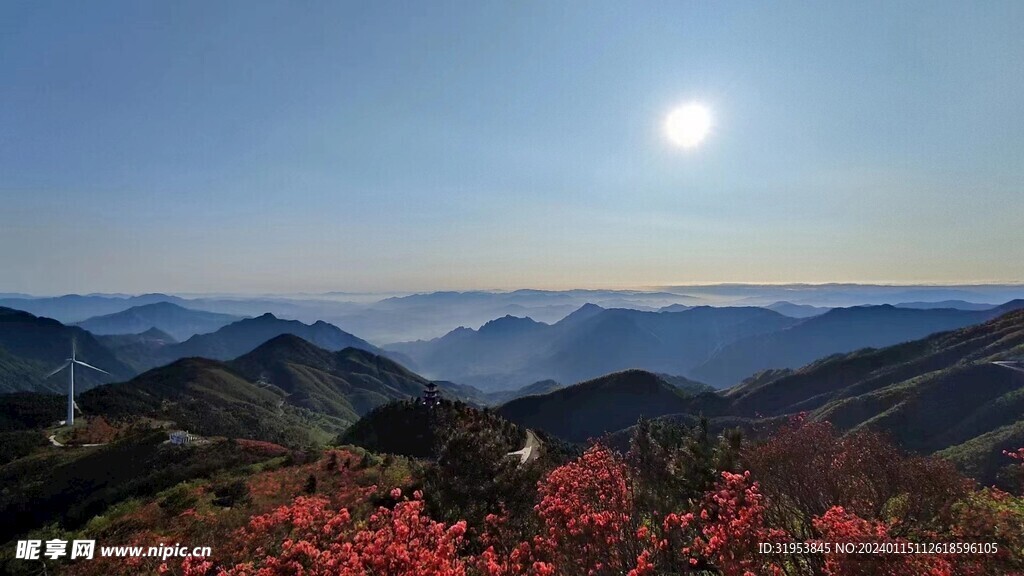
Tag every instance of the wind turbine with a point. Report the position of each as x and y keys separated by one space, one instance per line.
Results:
x=70 y=365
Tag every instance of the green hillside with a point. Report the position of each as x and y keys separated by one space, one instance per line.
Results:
x=849 y=375
x=31 y=346
x=598 y=406
x=940 y=394
x=287 y=391
x=209 y=398
x=21 y=374
x=73 y=486
x=344 y=384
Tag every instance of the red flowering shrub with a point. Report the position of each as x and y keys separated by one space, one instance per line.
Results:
x=724 y=532
x=261 y=448
x=96 y=431
x=586 y=510
x=520 y=561
x=807 y=484
x=839 y=526
x=309 y=537
x=1014 y=475
x=404 y=542
x=806 y=468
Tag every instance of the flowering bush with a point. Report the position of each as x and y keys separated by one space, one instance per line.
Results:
x=261 y=448
x=310 y=538
x=587 y=520
x=838 y=525
x=586 y=511
x=724 y=532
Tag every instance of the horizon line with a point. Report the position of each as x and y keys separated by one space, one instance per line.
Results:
x=642 y=289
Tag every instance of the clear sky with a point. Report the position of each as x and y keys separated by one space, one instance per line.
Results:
x=273 y=146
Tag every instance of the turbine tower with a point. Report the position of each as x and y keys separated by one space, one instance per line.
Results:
x=70 y=365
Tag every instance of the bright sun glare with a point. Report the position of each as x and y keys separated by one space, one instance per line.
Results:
x=688 y=125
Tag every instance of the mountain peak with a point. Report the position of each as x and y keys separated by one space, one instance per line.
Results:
x=152 y=295
x=583 y=312
x=1010 y=306
x=155 y=333
x=508 y=322
x=163 y=305
x=606 y=404
x=284 y=340
x=286 y=348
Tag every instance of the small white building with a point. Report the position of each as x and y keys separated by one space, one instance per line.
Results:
x=182 y=437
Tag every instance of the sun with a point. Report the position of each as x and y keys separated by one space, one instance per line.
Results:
x=688 y=125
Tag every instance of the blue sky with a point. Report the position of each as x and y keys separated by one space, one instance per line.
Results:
x=259 y=146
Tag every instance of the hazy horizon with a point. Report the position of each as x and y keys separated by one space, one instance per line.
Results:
x=395 y=147
x=678 y=289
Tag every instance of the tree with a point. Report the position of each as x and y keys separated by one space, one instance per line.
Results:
x=673 y=465
x=231 y=493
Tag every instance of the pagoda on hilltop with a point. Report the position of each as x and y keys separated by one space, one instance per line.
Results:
x=431 y=395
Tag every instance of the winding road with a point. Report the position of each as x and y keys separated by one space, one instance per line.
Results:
x=1018 y=366
x=53 y=440
x=529 y=452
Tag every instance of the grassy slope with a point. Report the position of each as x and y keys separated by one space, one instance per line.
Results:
x=208 y=398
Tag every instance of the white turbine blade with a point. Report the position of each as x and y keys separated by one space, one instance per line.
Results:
x=63 y=366
x=90 y=366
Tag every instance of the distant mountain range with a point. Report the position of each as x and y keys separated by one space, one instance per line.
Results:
x=797 y=310
x=539 y=387
x=30 y=346
x=842 y=295
x=717 y=345
x=955 y=304
x=944 y=393
x=73 y=308
x=245 y=335
x=387 y=319
x=173 y=319
x=510 y=352
x=720 y=346
x=837 y=331
x=399 y=318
